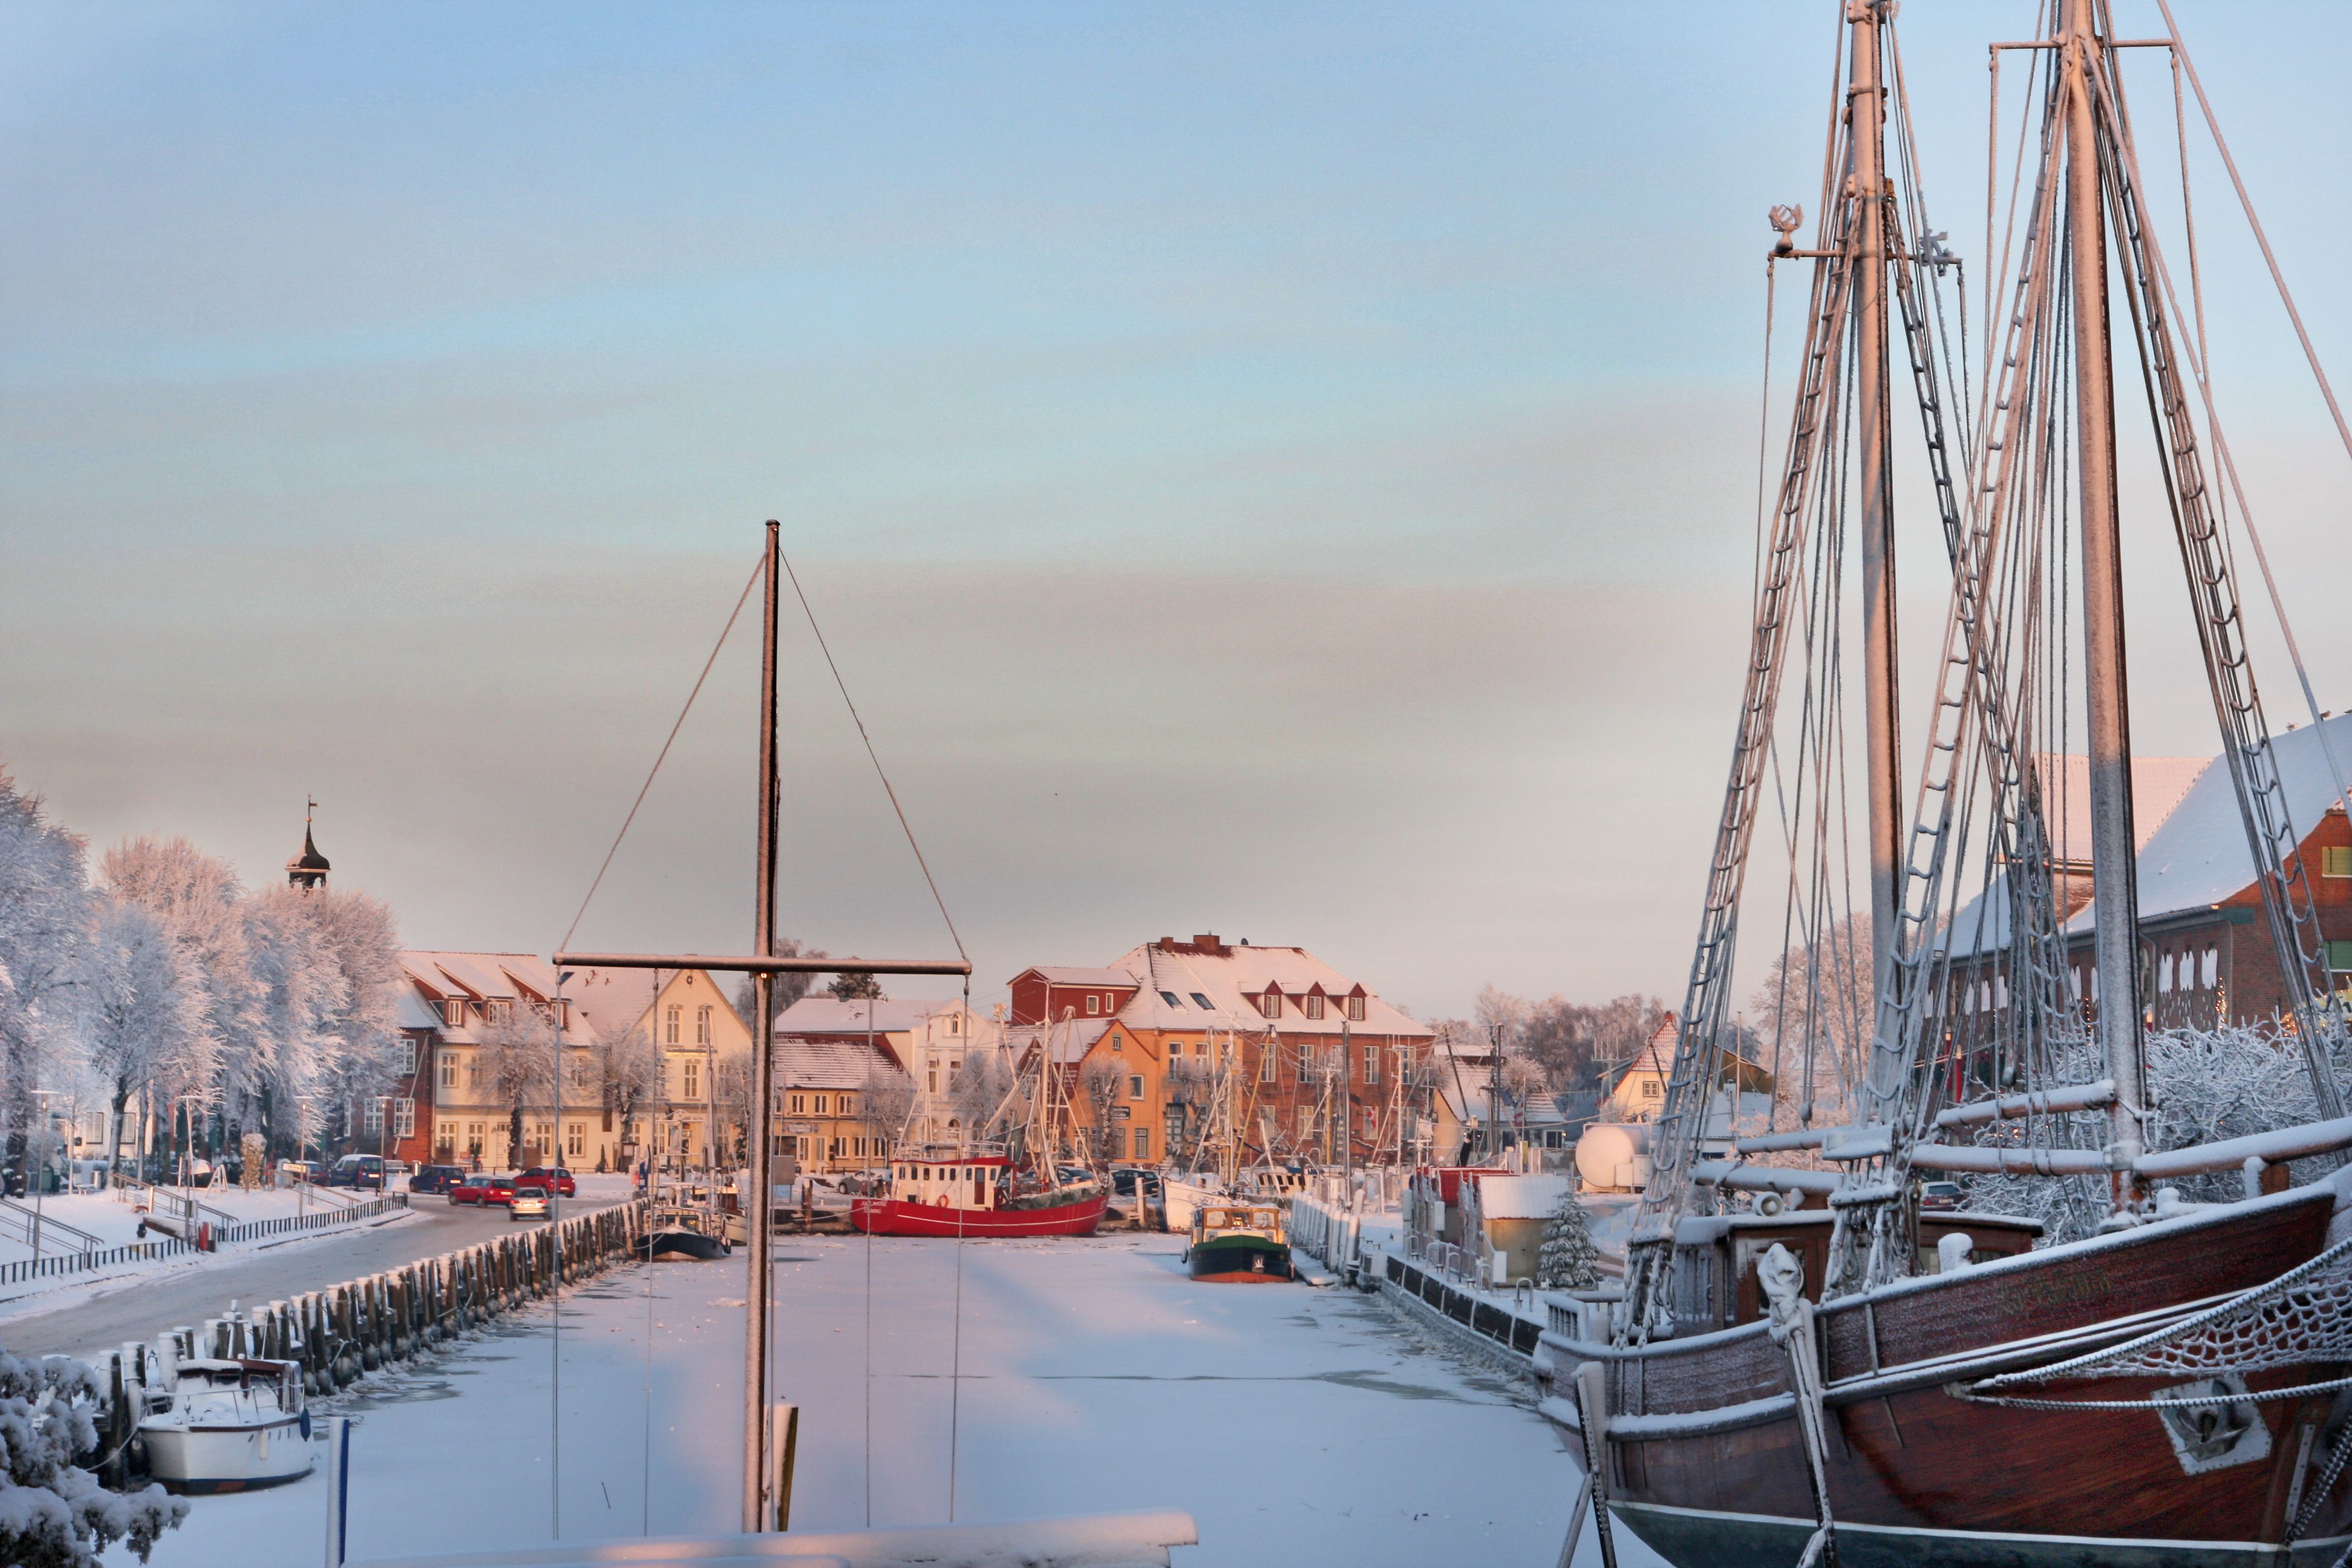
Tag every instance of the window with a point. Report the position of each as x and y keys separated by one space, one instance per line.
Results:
x=1135 y=1086
x=1306 y=1065
x=934 y=1076
x=1117 y=1041
x=474 y=1137
x=1271 y=1004
x=448 y=1070
x=1170 y=998
x=1314 y=1003
x=448 y=1136
x=453 y=1011
x=2164 y=972
x=498 y=1010
x=821 y=1104
x=1266 y=1065
x=375 y=1116
x=575 y=1139
x=1094 y=1004
x=1355 y=1007
x=2211 y=968
x=2336 y=860
x=955 y=1022
x=799 y=1104
x=702 y=1026
x=1143 y=1142
x=669 y=1025
x=1201 y=1003
x=849 y=1105
x=1372 y=1064
x=407 y=1059
x=404 y=1119
x=692 y=1072
x=562 y=1012
x=2339 y=957
x=1652 y=1089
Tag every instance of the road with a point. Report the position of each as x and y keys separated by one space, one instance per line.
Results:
x=84 y=1320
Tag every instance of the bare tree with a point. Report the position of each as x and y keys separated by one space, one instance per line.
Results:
x=888 y=1096
x=517 y=1051
x=1814 y=1012
x=628 y=1068
x=1102 y=1087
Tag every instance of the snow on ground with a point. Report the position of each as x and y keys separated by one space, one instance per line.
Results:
x=1297 y=1426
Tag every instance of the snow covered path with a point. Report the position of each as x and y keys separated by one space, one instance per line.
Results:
x=1297 y=1426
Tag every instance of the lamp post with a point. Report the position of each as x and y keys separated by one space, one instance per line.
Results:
x=40 y=1177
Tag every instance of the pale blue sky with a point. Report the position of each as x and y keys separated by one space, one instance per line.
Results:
x=1286 y=471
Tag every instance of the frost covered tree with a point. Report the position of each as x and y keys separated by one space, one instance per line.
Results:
x=1568 y=1259
x=44 y=917
x=517 y=1056
x=628 y=1068
x=784 y=990
x=359 y=1048
x=855 y=985
x=142 y=1016
x=54 y=1514
x=300 y=997
x=1813 y=1014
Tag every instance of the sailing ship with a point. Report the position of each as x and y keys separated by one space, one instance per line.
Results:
x=2164 y=1383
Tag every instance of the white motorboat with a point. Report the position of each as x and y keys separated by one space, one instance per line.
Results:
x=227 y=1426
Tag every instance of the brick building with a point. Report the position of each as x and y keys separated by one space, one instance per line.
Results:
x=2206 y=954
x=1322 y=1055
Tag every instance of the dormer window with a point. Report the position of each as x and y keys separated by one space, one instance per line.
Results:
x=498 y=1010
x=1094 y=1004
x=1270 y=1004
x=1314 y=1003
x=453 y=1012
x=1201 y=1003
x=1356 y=1007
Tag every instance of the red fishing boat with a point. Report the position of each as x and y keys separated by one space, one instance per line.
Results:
x=973 y=1195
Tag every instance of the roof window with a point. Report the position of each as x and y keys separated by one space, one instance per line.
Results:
x=1170 y=998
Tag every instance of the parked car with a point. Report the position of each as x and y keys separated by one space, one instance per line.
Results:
x=358 y=1171
x=1124 y=1177
x=436 y=1178
x=527 y=1203
x=1942 y=1195
x=540 y=1178
x=484 y=1189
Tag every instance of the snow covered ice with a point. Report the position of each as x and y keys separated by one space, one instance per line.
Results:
x=1297 y=1426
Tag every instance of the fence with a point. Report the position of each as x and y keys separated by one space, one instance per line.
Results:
x=340 y=1334
x=351 y=1214
x=26 y=1269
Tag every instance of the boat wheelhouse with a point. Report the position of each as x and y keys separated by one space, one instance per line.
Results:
x=1238 y=1243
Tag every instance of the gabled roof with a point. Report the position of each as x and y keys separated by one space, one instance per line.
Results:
x=1187 y=986
x=2194 y=856
x=1059 y=974
x=832 y=1063
x=2159 y=784
x=603 y=1001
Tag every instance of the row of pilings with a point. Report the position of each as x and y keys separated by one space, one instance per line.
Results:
x=340 y=1334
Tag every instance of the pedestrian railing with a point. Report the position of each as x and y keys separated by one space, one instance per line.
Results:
x=27 y=1268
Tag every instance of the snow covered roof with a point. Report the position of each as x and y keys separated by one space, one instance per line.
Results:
x=2193 y=854
x=2157 y=786
x=1521 y=1197
x=1070 y=1040
x=832 y=1063
x=414 y=1012
x=831 y=1015
x=1063 y=975
x=1210 y=985
x=2198 y=856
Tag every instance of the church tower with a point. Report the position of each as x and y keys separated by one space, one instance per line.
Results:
x=308 y=870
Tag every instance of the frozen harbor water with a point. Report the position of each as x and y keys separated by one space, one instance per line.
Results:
x=1296 y=1425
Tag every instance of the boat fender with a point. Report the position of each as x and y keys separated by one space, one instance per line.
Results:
x=306 y=1426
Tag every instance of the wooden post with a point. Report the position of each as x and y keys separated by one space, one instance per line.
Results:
x=784 y=1442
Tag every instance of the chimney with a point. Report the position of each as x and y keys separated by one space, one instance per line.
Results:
x=1207 y=942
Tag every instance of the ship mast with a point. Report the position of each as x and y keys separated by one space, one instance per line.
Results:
x=2114 y=880
x=1870 y=194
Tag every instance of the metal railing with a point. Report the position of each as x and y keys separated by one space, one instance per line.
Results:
x=27 y=1268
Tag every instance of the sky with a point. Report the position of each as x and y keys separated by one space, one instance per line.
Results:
x=1287 y=472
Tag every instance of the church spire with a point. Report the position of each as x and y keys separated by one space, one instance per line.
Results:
x=308 y=870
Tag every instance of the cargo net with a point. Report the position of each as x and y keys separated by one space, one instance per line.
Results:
x=2302 y=1318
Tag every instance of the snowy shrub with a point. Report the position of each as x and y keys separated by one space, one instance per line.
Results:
x=1568 y=1259
x=2203 y=1084
x=53 y=1514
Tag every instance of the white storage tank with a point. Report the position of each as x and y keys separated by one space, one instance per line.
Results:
x=1614 y=1156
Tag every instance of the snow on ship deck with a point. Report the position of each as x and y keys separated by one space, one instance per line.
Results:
x=1297 y=1426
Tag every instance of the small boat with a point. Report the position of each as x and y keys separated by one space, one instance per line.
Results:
x=974 y=1195
x=227 y=1426
x=675 y=1234
x=1238 y=1244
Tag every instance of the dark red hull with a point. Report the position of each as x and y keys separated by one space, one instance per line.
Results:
x=888 y=1216
x=1912 y=1469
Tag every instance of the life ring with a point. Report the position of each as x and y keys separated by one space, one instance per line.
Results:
x=940 y=1202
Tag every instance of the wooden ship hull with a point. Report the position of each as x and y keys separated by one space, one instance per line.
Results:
x=1706 y=1459
x=894 y=1217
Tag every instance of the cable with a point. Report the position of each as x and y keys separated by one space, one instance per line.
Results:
x=877 y=761
x=663 y=755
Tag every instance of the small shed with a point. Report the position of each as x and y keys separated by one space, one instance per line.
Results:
x=1508 y=1214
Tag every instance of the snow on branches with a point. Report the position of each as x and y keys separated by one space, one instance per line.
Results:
x=52 y=1513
